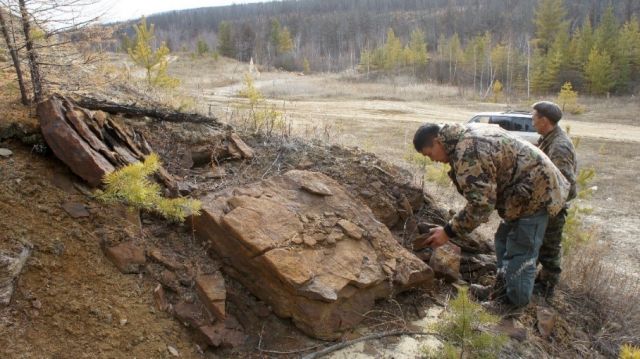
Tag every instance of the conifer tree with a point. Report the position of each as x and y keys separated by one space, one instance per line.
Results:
x=154 y=62
x=627 y=54
x=225 y=40
x=549 y=22
x=392 y=51
x=606 y=33
x=599 y=72
x=285 y=44
x=201 y=47
x=418 y=47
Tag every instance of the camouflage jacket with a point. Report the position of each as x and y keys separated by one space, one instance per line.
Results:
x=557 y=145
x=494 y=170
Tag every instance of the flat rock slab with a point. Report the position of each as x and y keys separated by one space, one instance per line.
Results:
x=76 y=210
x=320 y=260
x=5 y=152
x=127 y=257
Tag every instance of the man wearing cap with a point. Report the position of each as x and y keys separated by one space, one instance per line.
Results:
x=556 y=144
x=494 y=170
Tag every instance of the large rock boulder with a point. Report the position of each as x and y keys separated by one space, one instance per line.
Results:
x=69 y=146
x=310 y=249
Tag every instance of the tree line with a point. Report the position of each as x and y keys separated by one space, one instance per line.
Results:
x=526 y=46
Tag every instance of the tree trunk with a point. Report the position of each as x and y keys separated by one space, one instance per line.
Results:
x=36 y=80
x=14 y=57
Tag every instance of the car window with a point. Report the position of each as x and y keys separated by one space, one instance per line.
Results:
x=503 y=121
x=528 y=124
x=480 y=119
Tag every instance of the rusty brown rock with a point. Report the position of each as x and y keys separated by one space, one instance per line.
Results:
x=322 y=288
x=190 y=314
x=68 y=146
x=445 y=262
x=220 y=336
x=546 y=320
x=245 y=150
x=157 y=255
x=160 y=299
x=75 y=210
x=127 y=257
x=350 y=229
x=212 y=293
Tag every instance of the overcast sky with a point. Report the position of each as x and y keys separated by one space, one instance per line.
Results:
x=118 y=10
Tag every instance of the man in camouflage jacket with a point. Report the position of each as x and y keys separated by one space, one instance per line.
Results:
x=556 y=144
x=494 y=170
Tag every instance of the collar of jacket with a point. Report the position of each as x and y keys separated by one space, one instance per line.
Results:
x=450 y=135
x=552 y=134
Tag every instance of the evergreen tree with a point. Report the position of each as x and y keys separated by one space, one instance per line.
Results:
x=627 y=50
x=306 y=67
x=225 y=40
x=392 y=51
x=274 y=35
x=201 y=47
x=586 y=41
x=285 y=44
x=606 y=33
x=154 y=62
x=549 y=21
x=418 y=49
x=599 y=72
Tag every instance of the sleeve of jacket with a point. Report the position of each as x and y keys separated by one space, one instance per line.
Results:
x=476 y=176
x=565 y=159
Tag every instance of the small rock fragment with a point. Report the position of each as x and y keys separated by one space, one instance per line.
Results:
x=173 y=351
x=127 y=257
x=76 y=210
x=350 y=229
x=5 y=152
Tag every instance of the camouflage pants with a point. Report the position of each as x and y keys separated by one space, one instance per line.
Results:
x=551 y=250
x=517 y=245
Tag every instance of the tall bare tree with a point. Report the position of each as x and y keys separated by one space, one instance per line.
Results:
x=13 y=51
x=48 y=28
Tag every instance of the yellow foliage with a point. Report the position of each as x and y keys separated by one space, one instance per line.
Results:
x=154 y=62
x=250 y=91
x=568 y=99
x=131 y=185
x=629 y=352
x=497 y=90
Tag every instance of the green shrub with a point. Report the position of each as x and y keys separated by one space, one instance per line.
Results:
x=466 y=330
x=130 y=185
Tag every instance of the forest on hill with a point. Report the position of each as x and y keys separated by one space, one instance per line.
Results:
x=520 y=46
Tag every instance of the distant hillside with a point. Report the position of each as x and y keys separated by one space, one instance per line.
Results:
x=331 y=34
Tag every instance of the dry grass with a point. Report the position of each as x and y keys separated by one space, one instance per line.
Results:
x=602 y=301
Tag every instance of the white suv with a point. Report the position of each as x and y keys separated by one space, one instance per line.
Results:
x=518 y=123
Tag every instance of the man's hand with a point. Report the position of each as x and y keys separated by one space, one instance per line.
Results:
x=437 y=237
x=434 y=239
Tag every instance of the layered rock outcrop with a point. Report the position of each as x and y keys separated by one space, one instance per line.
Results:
x=310 y=249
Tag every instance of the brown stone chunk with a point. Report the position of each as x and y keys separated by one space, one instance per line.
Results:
x=127 y=257
x=157 y=255
x=160 y=298
x=325 y=287
x=68 y=146
x=445 y=262
x=219 y=336
x=350 y=229
x=190 y=314
x=76 y=210
x=212 y=293
x=245 y=150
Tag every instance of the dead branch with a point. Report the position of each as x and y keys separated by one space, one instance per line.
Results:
x=136 y=111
